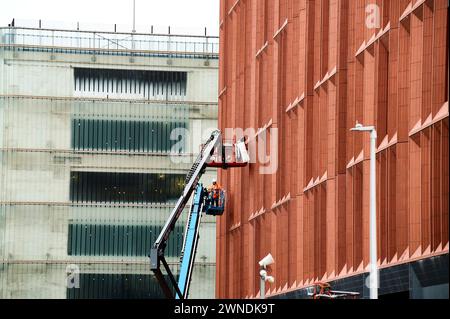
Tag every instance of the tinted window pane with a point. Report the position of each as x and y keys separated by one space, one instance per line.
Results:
x=131 y=82
x=125 y=187
x=119 y=240
x=116 y=286
x=133 y=136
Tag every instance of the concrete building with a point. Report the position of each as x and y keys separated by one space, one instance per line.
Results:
x=89 y=170
x=311 y=70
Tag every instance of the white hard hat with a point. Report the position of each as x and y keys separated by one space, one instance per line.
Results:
x=214 y=180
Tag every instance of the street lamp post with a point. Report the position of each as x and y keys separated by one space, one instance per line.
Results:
x=262 y=288
x=373 y=283
x=133 y=46
x=134 y=16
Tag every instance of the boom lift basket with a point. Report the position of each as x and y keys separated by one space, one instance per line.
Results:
x=230 y=155
x=215 y=210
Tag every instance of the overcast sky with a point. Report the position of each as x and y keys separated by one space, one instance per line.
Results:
x=190 y=15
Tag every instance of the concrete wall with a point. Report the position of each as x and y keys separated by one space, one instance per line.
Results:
x=37 y=104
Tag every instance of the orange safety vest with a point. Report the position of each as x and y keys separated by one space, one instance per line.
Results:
x=216 y=190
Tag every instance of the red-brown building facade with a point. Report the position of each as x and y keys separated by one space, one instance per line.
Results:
x=312 y=69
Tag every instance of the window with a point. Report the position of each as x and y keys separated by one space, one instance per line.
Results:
x=116 y=286
x=125 y=187
x=133 y=136
x=119 y=240
x=146 y=84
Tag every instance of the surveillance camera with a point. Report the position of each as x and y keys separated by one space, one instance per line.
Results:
x=266 y=261
x=270 y=279
x=263 y=274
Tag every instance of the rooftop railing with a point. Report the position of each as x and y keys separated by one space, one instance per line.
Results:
x=109 y=41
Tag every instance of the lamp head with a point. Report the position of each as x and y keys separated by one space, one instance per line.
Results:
x=360 y=128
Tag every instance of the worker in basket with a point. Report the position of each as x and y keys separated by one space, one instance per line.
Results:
x=214 y=193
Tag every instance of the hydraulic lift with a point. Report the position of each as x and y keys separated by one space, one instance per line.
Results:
x=214 y=153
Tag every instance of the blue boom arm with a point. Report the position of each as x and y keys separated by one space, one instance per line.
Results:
x=191 y=242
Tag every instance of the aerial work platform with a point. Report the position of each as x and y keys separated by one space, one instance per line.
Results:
x=212 y=154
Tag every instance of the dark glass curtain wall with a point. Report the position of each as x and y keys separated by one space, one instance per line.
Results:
x=148 y=84
x=116 y=135
x=119 y=240
x=125 y=187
